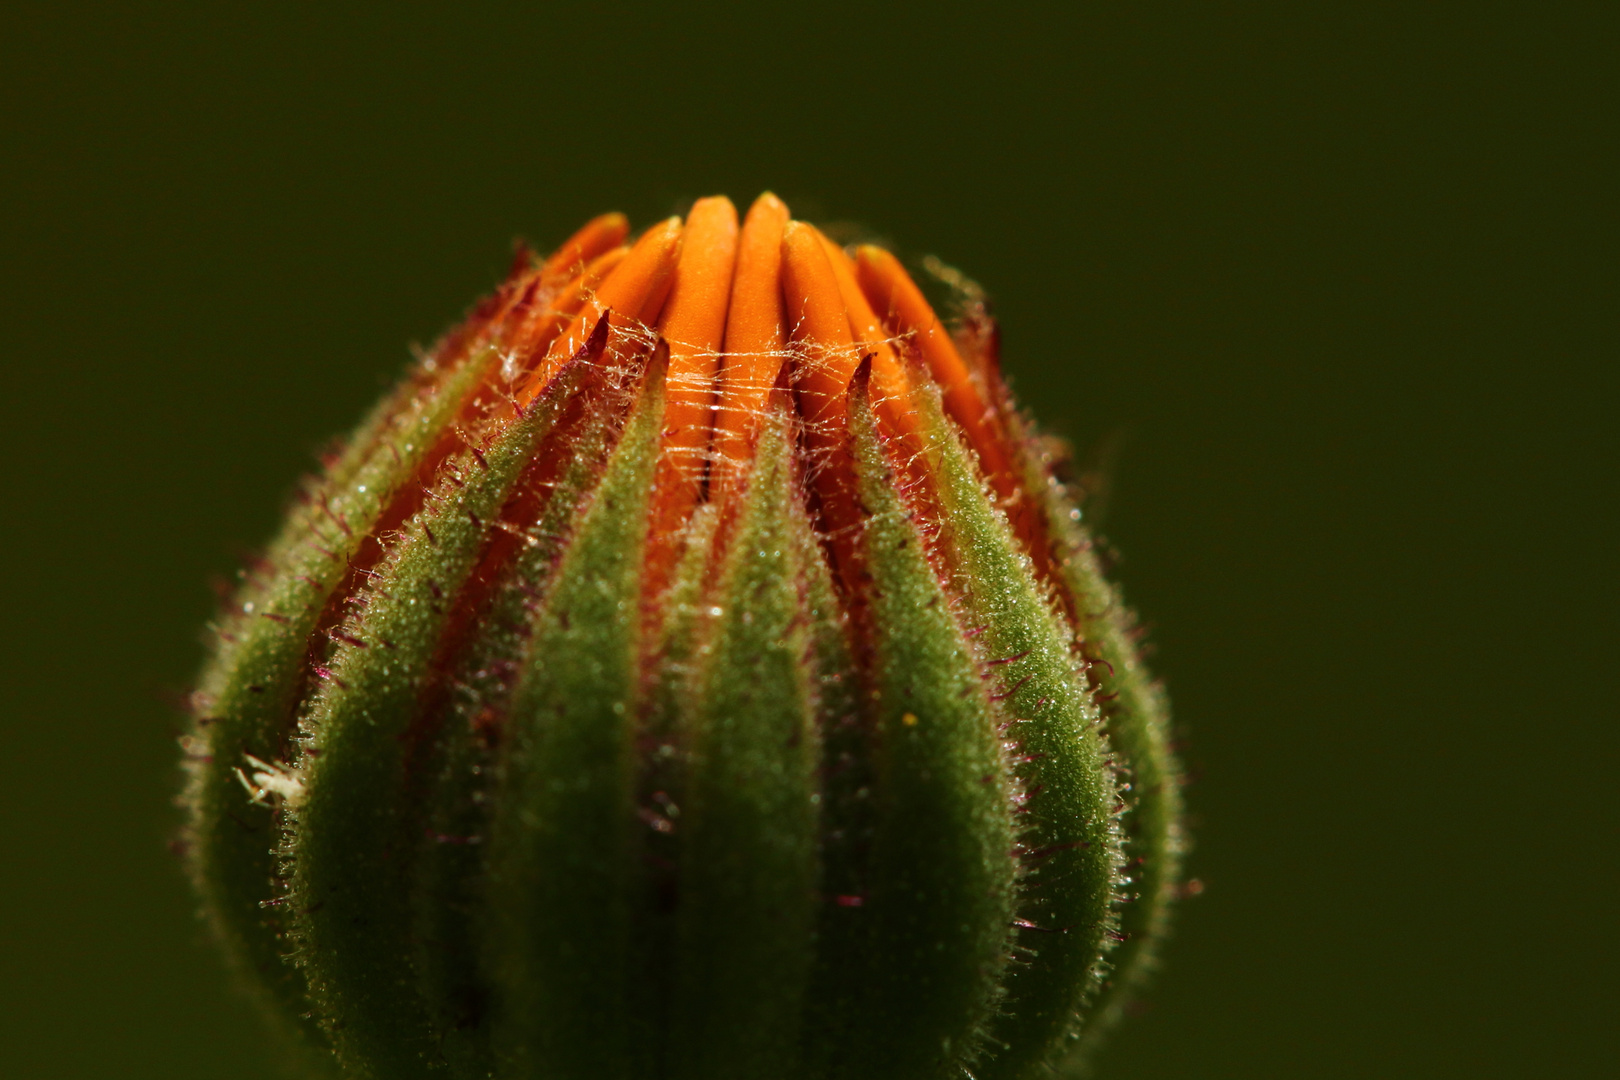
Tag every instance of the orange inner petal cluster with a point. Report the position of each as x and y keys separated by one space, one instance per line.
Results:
x=744 y=306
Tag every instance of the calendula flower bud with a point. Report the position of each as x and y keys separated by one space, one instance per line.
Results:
x=694 y=669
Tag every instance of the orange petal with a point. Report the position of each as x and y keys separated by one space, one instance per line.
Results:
x=863 y=321
x=632 y=292
x=755 y=342
x=890 y=386
x=529 y=329
x=693 y=323
x=820 y=324
x=893 y=292
x=543 y=329
x=596 y=236
x=827 y=357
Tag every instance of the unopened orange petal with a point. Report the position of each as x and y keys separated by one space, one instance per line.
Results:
x=863 y=321
x=596 y=236
x=632 y=292
x=896 y=296
x=543 y=329
x=827 y=357
x=694 y=322
x=755 y=340
x=819 y=322
x=890 y=387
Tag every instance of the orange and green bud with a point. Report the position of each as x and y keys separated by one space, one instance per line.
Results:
x=695 y=669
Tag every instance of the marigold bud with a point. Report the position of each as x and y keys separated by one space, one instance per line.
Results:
x=694 y=669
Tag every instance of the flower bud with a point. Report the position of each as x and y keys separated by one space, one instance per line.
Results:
x=696 y=668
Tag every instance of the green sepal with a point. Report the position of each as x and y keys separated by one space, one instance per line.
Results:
x=675 y=621
x=1136 y=718
x=249 y=694
x=561 y=866
x=941 y=875
x=451 y=875
x=747 y=827
x=1068 y=837
x=847 y=812
x=349 y=841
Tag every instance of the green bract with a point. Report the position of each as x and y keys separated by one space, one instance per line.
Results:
x=693 y=671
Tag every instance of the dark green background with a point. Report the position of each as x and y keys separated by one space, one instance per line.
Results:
x=1341 y=276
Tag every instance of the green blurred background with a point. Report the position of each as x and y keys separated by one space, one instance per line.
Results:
x=1337 y=279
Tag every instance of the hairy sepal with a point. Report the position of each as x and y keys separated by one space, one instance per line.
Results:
x=349 y=841
x=249 y=695
x=561 y=868
x=1068 y=837
x=1136 y=717
x=452 y=873
x=941 y=874
x=748 y=824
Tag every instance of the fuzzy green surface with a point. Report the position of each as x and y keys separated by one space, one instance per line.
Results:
x=661 y=779
x=1136 y=718
x=349 y=842
x=452 y=877
x=846 y=818
x=749 y=820
x=1068 y=835
x=252 y=688
x=931 y=942
x=561 y=866
x=768 y=859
